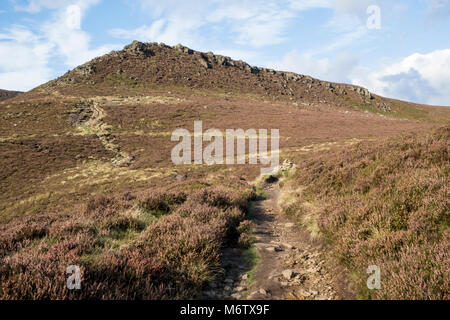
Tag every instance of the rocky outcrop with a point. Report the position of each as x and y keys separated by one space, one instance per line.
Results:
x=85 y=70
x=383 y=106
x=363 y=92
x=183 y=49
x=140 y=63
x=204 y=62
x=137 y=48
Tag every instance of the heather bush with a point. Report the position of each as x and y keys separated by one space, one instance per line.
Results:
x=22 y=232
x=122 y=254
x=245 y=231
x=221 y=198
x=160 y=201
x=387 y=203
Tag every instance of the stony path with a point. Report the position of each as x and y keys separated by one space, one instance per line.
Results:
x=233 y=284
x=95 y=125
x=290 y=266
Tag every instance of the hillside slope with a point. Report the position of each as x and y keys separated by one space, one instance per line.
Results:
x=386 y=204
x=86 y=174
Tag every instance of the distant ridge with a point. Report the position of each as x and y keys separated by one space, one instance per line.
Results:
x=6 y=94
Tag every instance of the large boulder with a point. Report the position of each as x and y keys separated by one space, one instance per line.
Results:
x=137 y=48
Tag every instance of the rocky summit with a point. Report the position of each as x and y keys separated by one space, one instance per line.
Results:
x=140 y=64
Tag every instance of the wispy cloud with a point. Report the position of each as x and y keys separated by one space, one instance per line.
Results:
x=28 y=67
x=337 y=69
x=255 y=23
x=61 y=37
x=437 y=10
x=35 y=6
x=419 y=77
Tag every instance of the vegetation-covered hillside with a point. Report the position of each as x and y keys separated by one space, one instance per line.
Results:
x=384 y=203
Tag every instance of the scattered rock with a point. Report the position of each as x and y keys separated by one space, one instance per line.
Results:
x=180 y=177
x=305 y=293
x=263 y=291
x=288 y=246
x=363 y=92
x=289 y=225
x=288 y=274
x=383 y=106
x=85 y=70
x=204 y=62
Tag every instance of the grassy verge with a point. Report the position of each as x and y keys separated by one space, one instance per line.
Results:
x=250 y=254
x=252 y=258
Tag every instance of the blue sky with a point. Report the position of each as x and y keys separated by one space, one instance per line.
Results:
x=399 y=49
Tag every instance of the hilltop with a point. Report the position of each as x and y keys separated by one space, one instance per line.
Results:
x=140 y=66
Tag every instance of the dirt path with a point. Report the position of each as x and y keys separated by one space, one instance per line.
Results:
x=95 y=124
x=290 y=266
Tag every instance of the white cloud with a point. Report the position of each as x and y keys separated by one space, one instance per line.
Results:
x=304 y=5
x=35 y=6
x=423 y=78
x=355 y=7
x=254 y=23
x=143 y=33
x=26 y=56
x=69 y=40
x=28 y=66
x=337 y=69
x=346 y=39
x=437 y=10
